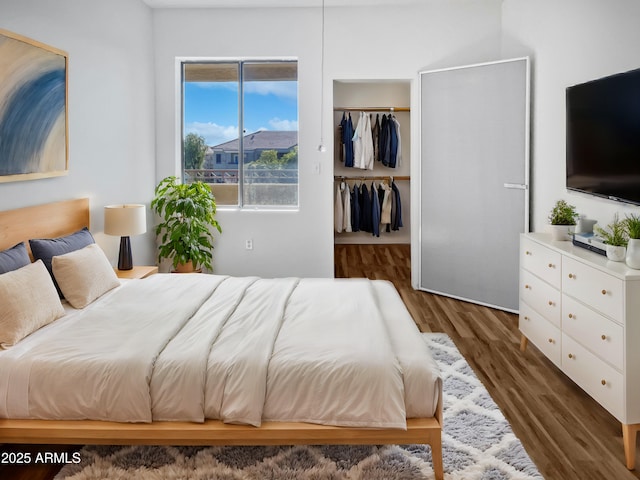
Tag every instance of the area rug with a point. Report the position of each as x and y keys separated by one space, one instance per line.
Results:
x=478 y=444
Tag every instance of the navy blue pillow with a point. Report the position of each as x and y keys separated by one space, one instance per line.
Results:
x=14 y=258
x=46 y=248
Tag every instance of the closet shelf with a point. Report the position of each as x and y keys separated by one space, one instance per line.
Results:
x=371 y=109
x=371 y=177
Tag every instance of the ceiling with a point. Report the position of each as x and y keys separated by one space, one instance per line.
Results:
x=272 y=3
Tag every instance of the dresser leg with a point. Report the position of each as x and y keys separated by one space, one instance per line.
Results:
x=629 y=432
x=523 y=343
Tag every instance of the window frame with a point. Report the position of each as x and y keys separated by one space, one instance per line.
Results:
x=180 y=124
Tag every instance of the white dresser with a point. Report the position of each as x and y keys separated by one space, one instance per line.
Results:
x=583 y=312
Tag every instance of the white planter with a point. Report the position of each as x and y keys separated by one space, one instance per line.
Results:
x=632 y=258
x=616 y=253
x=561 y=232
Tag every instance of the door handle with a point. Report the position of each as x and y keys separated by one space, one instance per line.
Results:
x=517 y=186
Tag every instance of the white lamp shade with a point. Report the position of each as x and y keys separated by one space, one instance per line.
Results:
x=125 y=220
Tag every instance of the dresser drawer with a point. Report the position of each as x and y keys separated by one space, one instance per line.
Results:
x=541 y=296
x=600 y=335
x=597 y=289
x=540 y=260
x=596 y=377
x=540 y=332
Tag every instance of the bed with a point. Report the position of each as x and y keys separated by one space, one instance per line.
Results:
x=247 y=361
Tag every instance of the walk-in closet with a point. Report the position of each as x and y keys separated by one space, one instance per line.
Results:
x=371 y=162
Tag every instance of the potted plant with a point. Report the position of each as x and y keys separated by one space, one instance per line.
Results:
x=187 y=219
x=632 y=224
x=615 y=237
x=562 y=220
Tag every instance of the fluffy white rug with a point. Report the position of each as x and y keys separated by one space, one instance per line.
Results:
x=478 y=444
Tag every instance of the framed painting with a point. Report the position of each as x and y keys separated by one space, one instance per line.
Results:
x=34 y=127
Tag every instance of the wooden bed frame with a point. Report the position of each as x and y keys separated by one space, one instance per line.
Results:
x=61 y=218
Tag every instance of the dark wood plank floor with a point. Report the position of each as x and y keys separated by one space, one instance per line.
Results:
x=567 y=434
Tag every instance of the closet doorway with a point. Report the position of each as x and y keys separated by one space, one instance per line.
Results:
x=474 y=174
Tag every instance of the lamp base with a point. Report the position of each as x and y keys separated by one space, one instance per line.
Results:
x=125 y=261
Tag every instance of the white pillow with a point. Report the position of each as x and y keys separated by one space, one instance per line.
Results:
x=84 y=275
x=29 y=301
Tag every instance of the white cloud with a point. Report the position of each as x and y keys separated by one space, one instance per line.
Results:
x=279 y=89
x=278 y=124
x=213 y=134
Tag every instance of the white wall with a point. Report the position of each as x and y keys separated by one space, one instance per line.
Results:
x=111 y=107
x=361 y=43
x=569 y=41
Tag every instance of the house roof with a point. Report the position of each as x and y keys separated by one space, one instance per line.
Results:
x=263 y=140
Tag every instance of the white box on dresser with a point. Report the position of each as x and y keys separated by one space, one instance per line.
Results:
x=583 y=312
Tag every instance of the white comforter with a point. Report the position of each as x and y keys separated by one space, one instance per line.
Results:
x=242 y=350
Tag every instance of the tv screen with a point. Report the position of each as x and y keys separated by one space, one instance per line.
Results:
x=603 y=137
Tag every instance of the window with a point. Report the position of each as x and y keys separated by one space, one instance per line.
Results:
x=257 y=98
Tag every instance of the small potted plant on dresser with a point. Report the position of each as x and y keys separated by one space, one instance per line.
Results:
x=615 y=237
x=632 y=224
x=187 y=219
x=562 y=220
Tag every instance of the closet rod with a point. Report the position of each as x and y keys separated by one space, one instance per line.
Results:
x=376 y=177
x=371 y=109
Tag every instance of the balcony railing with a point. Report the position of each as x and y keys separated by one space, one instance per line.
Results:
x=251 y=175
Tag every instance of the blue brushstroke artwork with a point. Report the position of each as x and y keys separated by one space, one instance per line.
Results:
x=32 y=109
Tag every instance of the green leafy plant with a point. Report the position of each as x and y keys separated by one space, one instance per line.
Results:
x=632 y=225
x=615 y=233
x=187 y=212
x=563 y=214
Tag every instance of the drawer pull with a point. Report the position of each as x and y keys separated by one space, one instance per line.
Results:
x=527 y=252
x=528 y=287
x=571 y=275
x=551 y=265
x=604 y=292
x=604 y=337
x=603 y=382
x=551 y=340
x=571 y=315
x=570 y=355
x=526 y=318
x=550 y=303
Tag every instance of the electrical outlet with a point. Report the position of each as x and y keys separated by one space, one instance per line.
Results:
x=248 y=245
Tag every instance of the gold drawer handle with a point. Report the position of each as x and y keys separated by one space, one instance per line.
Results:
x=528 y=287
x=571 y=315
x=551 y=340
x=604 y=337
x=603 y=382
x=526 y=318
x=571 y=275
x=551 y=303
x=551 y=265
x=604 y=292
x=570 y=355
x=527 y=252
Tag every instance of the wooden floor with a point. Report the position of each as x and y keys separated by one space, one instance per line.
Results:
x=566 y=433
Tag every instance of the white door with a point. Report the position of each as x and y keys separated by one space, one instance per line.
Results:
x=474 y=177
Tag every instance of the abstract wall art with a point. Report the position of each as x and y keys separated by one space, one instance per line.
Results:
x=33 y=109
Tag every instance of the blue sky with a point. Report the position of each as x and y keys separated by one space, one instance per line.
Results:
x=211 y=108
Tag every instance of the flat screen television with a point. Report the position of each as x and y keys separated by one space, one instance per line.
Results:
x=603 y=137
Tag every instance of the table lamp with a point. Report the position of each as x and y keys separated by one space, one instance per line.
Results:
x=125 y=220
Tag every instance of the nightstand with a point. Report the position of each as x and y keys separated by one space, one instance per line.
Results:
x=139 y=271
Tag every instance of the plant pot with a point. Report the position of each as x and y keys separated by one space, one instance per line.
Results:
x=632 y=258
x=616 y=253
x=186 y=268
x=561 y=232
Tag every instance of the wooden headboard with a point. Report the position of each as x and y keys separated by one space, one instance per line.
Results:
x=50 y=220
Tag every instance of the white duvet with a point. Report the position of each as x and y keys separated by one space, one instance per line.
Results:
x=241 y=350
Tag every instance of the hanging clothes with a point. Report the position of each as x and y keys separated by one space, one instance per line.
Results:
x=365 y=209
x=384 y=141
x=338 y=209
x=385 y=194
x=396 y=156
x=375 y=211
x=363 y=144
x=355 y=209
x=346 y=126
x=396 y=216
x=375 y=137
x=346 y=202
